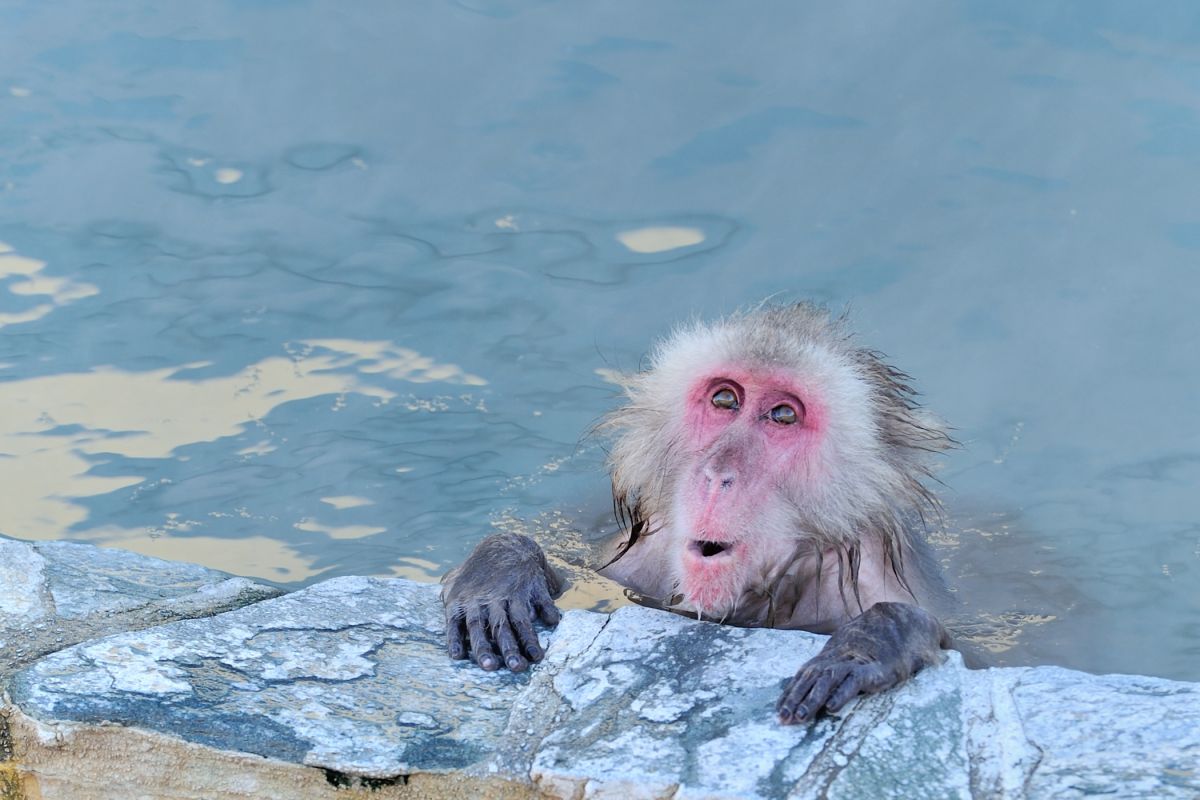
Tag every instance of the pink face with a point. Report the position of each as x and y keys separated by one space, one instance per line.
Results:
x=754 y=433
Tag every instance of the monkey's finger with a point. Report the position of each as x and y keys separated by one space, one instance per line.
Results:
x=454 y=637
x=865 y=679
x=544 y=604
x=507 y=643
x=793 y=693
x=858 y=682
x=826 y=684
x=549 y=614
x=521 y=617
x=509 y=648
x=481 y=646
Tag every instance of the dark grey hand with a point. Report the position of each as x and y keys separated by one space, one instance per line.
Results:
x=876 y=650
x=492 y=599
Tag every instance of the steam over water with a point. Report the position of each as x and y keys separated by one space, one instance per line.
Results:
x=300 y=289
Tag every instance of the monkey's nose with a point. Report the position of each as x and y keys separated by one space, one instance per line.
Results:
x=718 y=477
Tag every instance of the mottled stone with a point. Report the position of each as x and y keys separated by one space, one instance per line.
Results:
x=22 y=585
x=350 y=677
x=658 y=701
x=54 y=594
x=1117 y=735
x=681 y=708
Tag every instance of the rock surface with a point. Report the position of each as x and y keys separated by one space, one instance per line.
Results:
x=54 y=594
x=346 y=686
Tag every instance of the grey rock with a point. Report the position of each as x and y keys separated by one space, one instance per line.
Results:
x=658 y=705
x=1123 y=735
x=54 y=594
x=350 y=677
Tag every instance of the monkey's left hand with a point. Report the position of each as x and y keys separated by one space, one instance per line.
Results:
x=876 y=650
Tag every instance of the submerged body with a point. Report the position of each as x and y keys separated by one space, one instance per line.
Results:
x=805 y=589
x=767 y=472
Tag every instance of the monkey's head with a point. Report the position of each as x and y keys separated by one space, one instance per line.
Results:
x=762 y=436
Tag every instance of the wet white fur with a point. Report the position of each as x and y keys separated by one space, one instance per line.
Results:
x=863 y=487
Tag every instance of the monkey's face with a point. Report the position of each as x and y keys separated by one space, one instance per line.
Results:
x=756 y=439
x=754 y=436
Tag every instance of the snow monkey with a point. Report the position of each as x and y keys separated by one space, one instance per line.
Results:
x=768 y=473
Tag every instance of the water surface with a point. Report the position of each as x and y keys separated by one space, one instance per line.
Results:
x=302 y=289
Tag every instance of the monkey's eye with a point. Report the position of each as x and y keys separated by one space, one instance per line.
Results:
x=725 y=399
x=784 y=415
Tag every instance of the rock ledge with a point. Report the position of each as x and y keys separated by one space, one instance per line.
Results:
x=344 y=687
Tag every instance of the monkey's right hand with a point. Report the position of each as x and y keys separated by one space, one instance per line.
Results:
x=492 y=599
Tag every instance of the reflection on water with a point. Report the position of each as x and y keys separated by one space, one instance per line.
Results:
x=47 y=292
x=302 y=317
x=659 y=239
x=61 y=427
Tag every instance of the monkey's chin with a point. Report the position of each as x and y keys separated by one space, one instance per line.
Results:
x=711 y=583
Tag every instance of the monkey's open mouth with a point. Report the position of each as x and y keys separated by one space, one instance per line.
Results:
x=707 y=549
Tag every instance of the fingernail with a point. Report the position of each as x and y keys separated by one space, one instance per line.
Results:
x=515 y=663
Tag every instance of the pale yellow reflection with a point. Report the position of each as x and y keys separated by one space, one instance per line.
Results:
x=58 y=291
x=659 y=239
x=151 y=414
x=28 y=315
x=337 y=531
x=252 y=556
x=417 y=569
x=61 y=289
x=347 y=501
x=997 y=633
x=591 y=592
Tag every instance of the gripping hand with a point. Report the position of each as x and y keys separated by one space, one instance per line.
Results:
x=492 y=599
x=876 y=650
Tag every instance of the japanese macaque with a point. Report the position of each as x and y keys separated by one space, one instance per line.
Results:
x=768 y=472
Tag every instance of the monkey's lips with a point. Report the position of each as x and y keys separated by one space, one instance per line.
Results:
x=712 y=578
x=709 y=559
x=708 y=549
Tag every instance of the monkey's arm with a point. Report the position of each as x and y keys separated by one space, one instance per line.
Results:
x=878 y=649
x=491 y=601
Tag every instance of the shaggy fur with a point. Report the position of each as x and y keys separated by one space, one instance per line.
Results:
x=869 y=463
